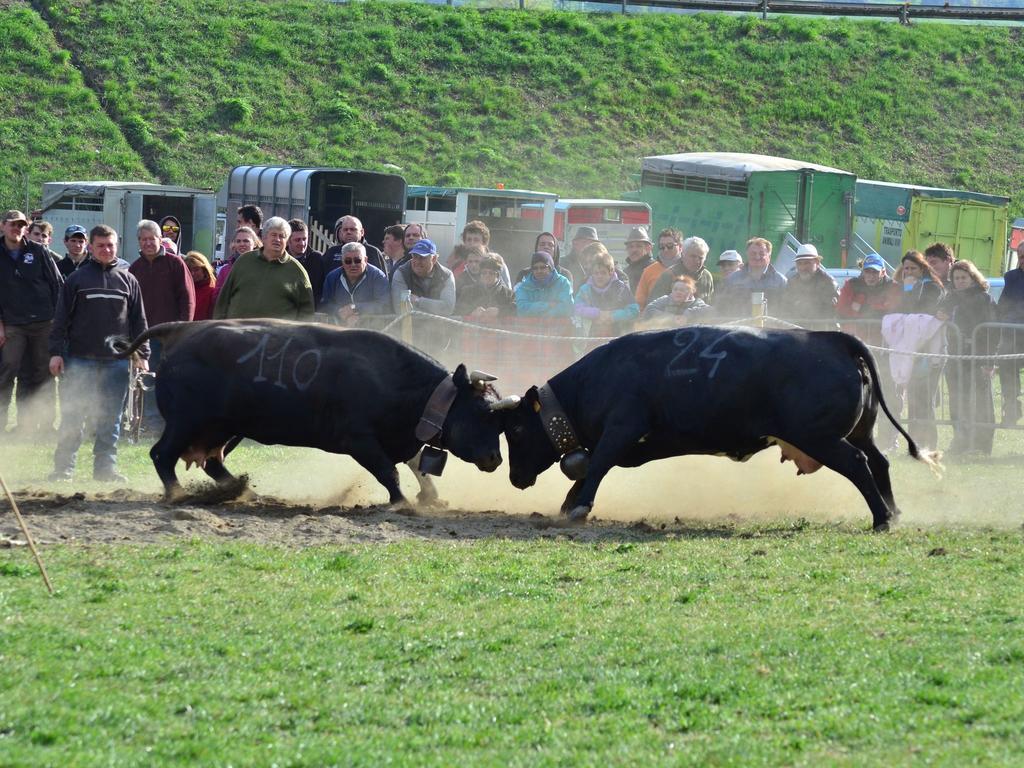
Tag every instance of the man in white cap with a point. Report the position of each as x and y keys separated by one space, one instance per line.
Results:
x=810 y=296
x=639 y=255
x=728 y=262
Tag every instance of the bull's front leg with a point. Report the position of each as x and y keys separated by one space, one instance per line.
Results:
x=570 y=497
x=428 y=496
x=622 y=430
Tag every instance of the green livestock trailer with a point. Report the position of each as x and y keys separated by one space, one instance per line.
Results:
x=895 y=218
x=727 y=198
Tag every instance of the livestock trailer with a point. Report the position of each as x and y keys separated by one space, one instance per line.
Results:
x=727 y=198
x=896 y=218
x=318 y=196
x=514 y=216
x=122 y=204
x=613 y=220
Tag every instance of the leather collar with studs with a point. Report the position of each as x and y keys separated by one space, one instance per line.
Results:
x=556 y=422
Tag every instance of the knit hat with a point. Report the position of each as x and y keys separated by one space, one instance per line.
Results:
x=542 y=257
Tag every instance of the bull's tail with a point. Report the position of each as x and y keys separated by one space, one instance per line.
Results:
x=931 y=458
x=169 y=333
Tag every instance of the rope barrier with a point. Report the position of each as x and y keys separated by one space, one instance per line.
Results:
x=786 y=325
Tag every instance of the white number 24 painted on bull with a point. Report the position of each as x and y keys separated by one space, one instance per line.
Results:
x=685 y=339
x=301 y=384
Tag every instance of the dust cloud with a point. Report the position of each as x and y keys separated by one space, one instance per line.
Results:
x=692 y=488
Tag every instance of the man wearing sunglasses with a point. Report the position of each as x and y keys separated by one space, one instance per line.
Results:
x=170 y=228
x=670 y=251
x=356 y=288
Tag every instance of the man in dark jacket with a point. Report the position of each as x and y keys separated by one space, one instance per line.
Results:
x=100 y=299
x=1011 y=310
x=168 y=295
x=639 y=255
x=77 y=247
x=810 y=296
x=312 y=261
x=29 y=286
x=349 y=229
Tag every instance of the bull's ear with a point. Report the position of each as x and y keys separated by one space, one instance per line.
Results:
x=460 y=378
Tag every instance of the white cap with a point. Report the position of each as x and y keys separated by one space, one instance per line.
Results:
x=807 y=251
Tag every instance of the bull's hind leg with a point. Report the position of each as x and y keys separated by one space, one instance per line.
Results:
x=373 y=459
x=214 y=466
x=165 y=453
x=879 y=467
x=851 y=462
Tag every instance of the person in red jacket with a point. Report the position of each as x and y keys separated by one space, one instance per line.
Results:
x=866 y=298
x=205 y=282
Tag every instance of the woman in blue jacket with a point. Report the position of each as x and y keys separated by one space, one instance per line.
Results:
x=544 y=293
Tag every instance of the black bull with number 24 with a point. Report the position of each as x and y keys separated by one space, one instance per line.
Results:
x=359 y=393
x=708 y=390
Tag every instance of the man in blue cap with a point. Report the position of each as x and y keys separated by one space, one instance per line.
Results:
x=431 y=286
x=76 y=245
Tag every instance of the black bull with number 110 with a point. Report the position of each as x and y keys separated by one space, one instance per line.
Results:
x=359 y=393
x=708 y=390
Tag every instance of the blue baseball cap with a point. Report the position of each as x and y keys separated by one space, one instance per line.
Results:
x=75 y=229
x=423 y=248
x=873 y=261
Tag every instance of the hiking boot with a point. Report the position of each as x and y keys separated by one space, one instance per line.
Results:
x=109 y=476
x=61 y=476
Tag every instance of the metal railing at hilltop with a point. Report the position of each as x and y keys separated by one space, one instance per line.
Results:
x=905 y=12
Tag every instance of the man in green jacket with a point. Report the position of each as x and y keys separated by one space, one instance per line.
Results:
x=267 y=282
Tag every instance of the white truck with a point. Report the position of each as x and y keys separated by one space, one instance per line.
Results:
x=122 y=204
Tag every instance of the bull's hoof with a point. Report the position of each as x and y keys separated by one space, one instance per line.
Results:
x=579 y=514
x=430 y=501
x=881 y=526
x=401 y=507
x=174 y=494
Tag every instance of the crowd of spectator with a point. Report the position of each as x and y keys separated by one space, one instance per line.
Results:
x=49 y=326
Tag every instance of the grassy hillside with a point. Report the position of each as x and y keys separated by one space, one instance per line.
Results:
x=52 y=126
x=541 y=99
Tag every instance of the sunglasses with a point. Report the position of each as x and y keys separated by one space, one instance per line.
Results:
x=171 y=228
x=351 y=262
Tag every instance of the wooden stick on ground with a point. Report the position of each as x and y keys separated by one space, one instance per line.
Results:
x=28 y=536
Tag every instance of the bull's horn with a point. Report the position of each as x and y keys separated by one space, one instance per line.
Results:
x=479 y=379
x=506 y=403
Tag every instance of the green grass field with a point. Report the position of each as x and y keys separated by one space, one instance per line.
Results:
x=759 y=645
x=713 y=642
x=538 y=99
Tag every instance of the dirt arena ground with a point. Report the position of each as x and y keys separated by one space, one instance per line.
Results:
x=333 y=501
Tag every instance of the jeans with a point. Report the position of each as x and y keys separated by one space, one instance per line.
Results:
x=91 y=393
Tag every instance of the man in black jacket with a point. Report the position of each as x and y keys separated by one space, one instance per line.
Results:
x=29 y=285
x=102 y=298
x=349 y=229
